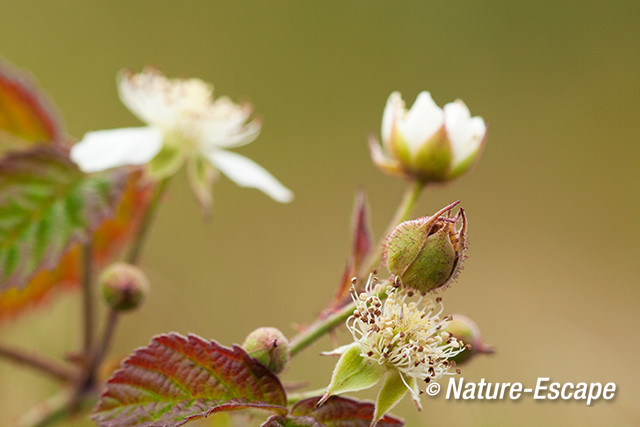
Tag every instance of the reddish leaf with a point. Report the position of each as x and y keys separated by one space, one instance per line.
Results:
x=290 y=421
x=46 y=206
x=178 y=379
x=360 y=249
x=109 y=238
x=341 y=411
x=26 y=114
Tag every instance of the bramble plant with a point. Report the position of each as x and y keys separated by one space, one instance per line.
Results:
x=67 y=208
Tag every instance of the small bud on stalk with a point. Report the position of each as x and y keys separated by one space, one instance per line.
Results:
x=124 y=286
x=427 y=253
x=269 y=346
x=466 y=330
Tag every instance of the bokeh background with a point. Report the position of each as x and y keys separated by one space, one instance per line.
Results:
x=552 y=276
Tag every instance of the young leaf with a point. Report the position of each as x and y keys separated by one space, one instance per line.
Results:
x=341 y=411
x=360 y=249
x=47 y=205
x=178 y=379
x=26 y=114
x=109 y=238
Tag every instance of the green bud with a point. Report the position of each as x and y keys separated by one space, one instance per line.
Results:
x=426 y=254
x=124 y=286
x=269 y=346
x=466 y=330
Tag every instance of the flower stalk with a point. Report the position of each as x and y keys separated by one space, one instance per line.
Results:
x=403 y=212
x=145 y=222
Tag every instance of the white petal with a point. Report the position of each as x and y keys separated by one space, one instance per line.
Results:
x=392 y=111
x=247 y=173
x=465 y=132
x=219 y=135
x=421 y=122
x=106 y=149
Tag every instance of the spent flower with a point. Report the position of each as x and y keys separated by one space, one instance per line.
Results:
x=185 y=125
x=426 y=254
x=427 y=143
x=398 y=341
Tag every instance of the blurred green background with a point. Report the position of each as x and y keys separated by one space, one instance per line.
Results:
x=552 y=276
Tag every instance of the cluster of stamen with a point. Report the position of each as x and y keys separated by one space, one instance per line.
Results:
x=184 y=107
x=407 y=335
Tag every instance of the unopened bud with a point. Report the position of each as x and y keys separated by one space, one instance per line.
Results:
x=124 y=286
x=466 y=330
x=269 y=346
x=427 y=253
x=428 y=143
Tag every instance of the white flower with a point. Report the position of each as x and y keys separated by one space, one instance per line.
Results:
x=185 y=124
x=397 y=341
x=426 y=142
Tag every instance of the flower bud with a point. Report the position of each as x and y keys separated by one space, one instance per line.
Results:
x=124 y=286
x=427 y=143
x=426 y=253
x=466 y=330
x=269 y=346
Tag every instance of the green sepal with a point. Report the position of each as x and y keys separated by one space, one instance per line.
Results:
x=392 y=391
x=353 y=372
x=432 y=161
x=167 y=162
x=434 y=264
x=201 y=176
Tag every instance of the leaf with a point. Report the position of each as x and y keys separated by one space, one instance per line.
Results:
x=109 y=238
x=178 y=379
x=341 y=411
x=47 y=205
x=27 y=115
x=362 y=239
x=291 y=421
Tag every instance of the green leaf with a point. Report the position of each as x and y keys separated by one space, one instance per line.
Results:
x=353 y=372
x=341 y=411
x=26 y=114
x=47 y=205
x=392 y=391
x=177 y=379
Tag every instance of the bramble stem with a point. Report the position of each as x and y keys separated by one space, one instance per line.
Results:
x=145 y=222
x=33 y=360
x=402 y=213
x=107 y=336
x=88 y=305
x=321 y=326
x=296 y=397
x=95 y=354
